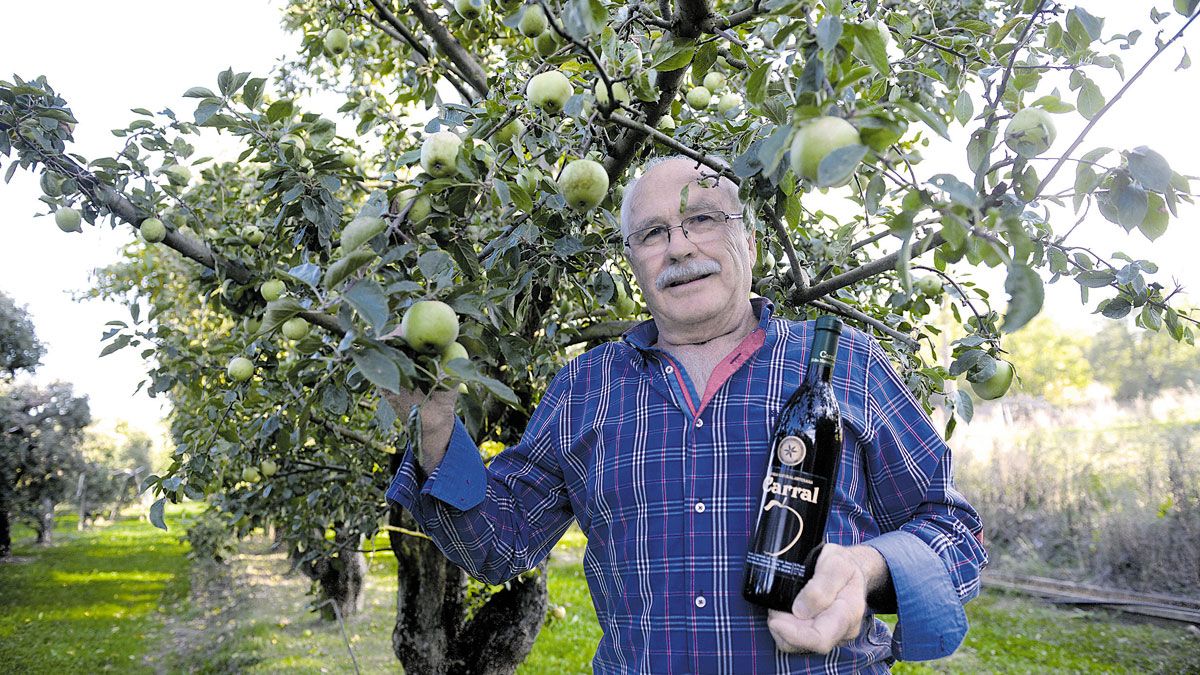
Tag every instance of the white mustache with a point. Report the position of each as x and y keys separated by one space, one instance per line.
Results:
x=688 y=271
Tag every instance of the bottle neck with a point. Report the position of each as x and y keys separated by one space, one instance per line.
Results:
x=822 y=357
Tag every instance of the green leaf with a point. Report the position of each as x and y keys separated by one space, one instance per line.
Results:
x=964 y=110
x=756 y=84
x=347 y=265
x=839 y=165
x=829 y=31
x=673 y=54
x=1150 y=169
x=1095 y=278
x=964 y=406
x=377 y=367
x=467 y=372
x=279 y=311
x=113 y=346
x=279 y=110
x=199 y=92
x=1132 y=203
x=252 y=93
x=1115 y=308
x=1025 y=297
x=156 y=513
x=931 y=120
x=368 y=298
x=1091 y=100
x=875 y=49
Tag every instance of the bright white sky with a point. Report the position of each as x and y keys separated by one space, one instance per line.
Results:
x=108 y=57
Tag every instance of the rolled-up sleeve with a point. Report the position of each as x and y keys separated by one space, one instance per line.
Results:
x=499 y=520
x=933 y=541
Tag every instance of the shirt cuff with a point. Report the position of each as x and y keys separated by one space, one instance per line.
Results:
x=931 y=620
x=459 y=480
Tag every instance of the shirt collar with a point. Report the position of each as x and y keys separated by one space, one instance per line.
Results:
x=645 y=334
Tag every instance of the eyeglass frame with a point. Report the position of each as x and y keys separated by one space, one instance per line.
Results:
x=682 y=227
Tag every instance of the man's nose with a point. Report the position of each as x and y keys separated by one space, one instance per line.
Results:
x=680 y=247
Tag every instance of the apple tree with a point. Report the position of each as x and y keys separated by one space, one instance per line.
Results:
x=477 y=159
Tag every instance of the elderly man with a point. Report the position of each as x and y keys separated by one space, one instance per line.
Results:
x=657 y=444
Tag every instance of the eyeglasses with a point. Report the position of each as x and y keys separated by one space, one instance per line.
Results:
x=701 y=228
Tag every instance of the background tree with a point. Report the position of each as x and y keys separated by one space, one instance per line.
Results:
x=20 y=351
x=1142 y=365
x=1052 y=360
x=347 y=229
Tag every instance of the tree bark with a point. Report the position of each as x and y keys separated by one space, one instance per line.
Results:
x=45 y=522
x=5 y=529
x=502 y=632
x=342 y=578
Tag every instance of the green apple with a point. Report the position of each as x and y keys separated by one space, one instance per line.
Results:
x=52 y=184
x=1030 y=132
x=336 y=41
x=177 y=174
x=68 y=219
x=251 y=475
x=1186 y=7
x=623 y=305
x=997 y=385
x=362 y=230
x=348 y=159
x=666 y=123
x=268 y=467
x=429 y=326
x=239 y=369
x=272 y=290
x=293 y=141
x=699 y=97
x=549 y=91
x=620 y=92
x=252 y=235
x=584 y=183
x=546 y=43
x=558 y=612
x=929 y=286
x=439 y=154
x=533 y=21
x=468 y=9
x=420 y=210
x=295 y=328
x=509 y=131
x=153 y=230
x=714 y=81
x=453 y=351
x=729 y=102
x=816 y=139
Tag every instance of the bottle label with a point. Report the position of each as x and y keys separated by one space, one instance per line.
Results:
x=787 y=499
x=824 y=357
x=792 y=451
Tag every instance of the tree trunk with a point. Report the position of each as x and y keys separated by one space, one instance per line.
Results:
x=342 y=578
x=45 y=522
x=81 y=497
x=431 y=634
x=5 y=530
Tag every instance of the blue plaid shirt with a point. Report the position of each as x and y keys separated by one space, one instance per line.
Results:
x=666 y=482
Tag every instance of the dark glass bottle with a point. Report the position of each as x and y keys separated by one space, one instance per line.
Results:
x=798 y=489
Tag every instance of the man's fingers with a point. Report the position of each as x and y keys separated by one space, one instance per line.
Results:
x=793 y=634
x=833 y=571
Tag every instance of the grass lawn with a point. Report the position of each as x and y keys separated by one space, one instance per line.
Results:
x=118 y=598
x=88 y=602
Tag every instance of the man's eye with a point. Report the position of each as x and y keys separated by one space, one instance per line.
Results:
x=701 y=219
x=652 y=233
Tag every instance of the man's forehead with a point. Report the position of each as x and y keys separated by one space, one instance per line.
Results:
x=675 y=187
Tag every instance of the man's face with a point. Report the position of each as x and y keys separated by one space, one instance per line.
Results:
x=726 y=261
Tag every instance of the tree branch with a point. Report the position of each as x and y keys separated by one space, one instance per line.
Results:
x=799 y=275
x=711 y=162
x=841 y=308
x=355 y=436
x=1107 y=106
x=605 y=330
x=449 y=45
x=395 y=29
x=868 y=270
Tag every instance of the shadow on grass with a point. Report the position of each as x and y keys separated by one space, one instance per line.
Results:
x=87 y=602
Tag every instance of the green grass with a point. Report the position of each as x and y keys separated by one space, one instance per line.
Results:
x=88 y=602
x=118 y=599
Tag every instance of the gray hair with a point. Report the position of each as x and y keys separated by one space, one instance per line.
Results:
x=731 y=190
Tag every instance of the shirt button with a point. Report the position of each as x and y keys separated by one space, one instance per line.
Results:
x=699 y=507
x=699 y=423
x=670 y=369
x=700 y=601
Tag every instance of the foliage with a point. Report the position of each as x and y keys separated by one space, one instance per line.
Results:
x=1052 y=361
x=19 y=346
x=1142 y=365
